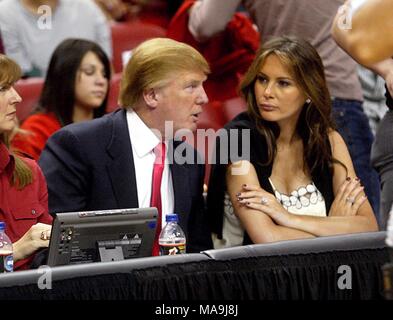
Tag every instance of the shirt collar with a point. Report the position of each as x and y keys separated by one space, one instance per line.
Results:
x=143 y=139
x=7 y=161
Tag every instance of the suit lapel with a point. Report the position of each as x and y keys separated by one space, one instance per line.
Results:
x=121 y=164
x=180 y=179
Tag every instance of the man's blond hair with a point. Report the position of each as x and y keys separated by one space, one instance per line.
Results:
x=153 y=63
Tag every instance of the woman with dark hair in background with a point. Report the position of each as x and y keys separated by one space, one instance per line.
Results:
x=23 y=191
x=75 y=89
x=298 y=180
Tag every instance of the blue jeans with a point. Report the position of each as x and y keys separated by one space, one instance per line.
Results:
x=354 y=127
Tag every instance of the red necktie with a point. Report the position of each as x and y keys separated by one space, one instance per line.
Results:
x=155 y=201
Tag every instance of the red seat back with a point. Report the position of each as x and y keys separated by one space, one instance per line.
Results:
x=128 y=35
x=232 y=107
x=210 y=118
x=114 y=90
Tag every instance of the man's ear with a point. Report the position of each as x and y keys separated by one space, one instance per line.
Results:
x=150 y=97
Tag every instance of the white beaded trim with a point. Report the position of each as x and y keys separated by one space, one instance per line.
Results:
x=302 y=197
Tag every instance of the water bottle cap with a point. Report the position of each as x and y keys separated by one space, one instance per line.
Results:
x=2 y=225
x=172 y=217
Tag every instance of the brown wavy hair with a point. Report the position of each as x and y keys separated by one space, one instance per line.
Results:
x=315 y=122
x=10 y=72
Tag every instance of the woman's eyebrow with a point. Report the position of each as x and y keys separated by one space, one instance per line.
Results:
x=280 y=78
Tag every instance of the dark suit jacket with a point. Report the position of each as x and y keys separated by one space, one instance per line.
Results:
x=90 y=166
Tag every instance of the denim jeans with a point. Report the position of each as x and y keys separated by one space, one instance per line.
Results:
x=354 y=127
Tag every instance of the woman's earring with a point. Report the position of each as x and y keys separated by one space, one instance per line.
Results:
x=308 y=101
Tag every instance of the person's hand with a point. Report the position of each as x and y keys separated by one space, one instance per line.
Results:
x=254 y=197
x=349 y=198
x=35 y=238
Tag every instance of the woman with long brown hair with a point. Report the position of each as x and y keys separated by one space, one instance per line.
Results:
x=298 y=180
x=23 y=191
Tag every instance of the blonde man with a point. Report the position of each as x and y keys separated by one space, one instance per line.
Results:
x=108 y=163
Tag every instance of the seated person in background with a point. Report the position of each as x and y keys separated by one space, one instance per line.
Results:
x=363 y=39
x=298 y=180
x=382 y=158
x=374 y=104
x=31 y=31
x=23 y=192
x=365 y=42
x=75 y=90
x=109 y=163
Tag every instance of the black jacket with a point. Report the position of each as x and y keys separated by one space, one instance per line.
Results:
x=90 y=166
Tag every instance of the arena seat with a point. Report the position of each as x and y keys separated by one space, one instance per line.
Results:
x=211 y=116
x=155 y=12
x=128 y=35
x=232 y=107
x=30 y=91
x=114 y=90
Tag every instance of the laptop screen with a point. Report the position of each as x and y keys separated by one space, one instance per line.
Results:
x=105 y=235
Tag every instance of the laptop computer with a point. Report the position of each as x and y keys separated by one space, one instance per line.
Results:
x=102 y=235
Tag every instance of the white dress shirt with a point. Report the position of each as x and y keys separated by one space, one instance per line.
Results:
x=143 y=142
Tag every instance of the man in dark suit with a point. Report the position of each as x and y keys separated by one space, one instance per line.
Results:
x=108 y=163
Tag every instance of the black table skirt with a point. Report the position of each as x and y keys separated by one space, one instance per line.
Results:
x=288 y=277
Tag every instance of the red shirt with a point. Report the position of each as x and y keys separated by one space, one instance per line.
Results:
x=20 y=209
x=38 y=127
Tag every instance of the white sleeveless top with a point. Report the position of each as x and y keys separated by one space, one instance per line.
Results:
x=306 y=200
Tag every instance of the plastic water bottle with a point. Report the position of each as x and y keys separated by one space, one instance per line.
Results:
x=172 y=239
x=6 y=257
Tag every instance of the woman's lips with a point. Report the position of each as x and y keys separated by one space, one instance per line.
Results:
x=267 y=107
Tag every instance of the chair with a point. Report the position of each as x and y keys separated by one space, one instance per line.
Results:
x=114 y=90
x=203 y=140
x=211 y=116
x=127 y=35
x=233 y=107
x=155 y=12
x=30 y=91
x=214 y=116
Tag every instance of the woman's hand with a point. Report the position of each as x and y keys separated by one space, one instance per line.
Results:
x=35 y=238
x=256 y=198
x=349 y=198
